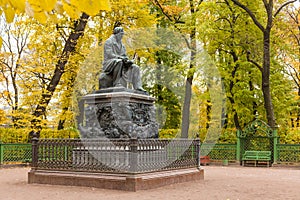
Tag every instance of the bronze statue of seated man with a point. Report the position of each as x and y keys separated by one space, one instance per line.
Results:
x=118 y=69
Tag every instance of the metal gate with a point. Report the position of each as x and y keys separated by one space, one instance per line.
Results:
x=257 y=136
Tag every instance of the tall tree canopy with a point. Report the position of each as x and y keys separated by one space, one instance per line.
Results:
x=265 y=25
x=254 y=44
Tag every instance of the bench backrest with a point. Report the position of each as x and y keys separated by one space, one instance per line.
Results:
x=250 y=153
x=257 y=153
x=264 y=153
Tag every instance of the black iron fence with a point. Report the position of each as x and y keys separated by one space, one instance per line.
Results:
x=115 y=155
x=63 y=150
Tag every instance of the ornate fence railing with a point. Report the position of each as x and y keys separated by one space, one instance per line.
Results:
x=62 y=151
x=117 y=155
x=15 y=153
x=288 y=153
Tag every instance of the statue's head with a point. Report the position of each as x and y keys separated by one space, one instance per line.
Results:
x=118 y=30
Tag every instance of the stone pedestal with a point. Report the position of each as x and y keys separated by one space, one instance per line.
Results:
x=128 y=182
x=118 y=113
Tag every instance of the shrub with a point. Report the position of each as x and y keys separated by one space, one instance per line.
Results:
x=292 y=136
x=228 y=136
x=168 y=133
x=13 y=135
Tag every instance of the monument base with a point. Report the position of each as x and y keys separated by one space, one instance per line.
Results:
x=122 y=181
x=117 y=112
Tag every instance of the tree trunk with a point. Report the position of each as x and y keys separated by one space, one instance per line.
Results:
x=251 y=87
x=231 y=85
x=61 y=123
x=59 y=70
x=208 y=113
x=186 y=108
x=188 y=90
x=266 y=80
x=232 y=102
x=189 y=80
x=67 y=96
x=15 y=102
x=158 y=90
x=298 y=115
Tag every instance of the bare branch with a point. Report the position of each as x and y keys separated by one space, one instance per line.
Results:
x=225 y=19
x=295 y=75
x=282 y=6
x=295 y=71
x=295 y=36
x=293 y=16
x=8 y=98
x=266 y=4
x=61 y=31
x=253 y=62
x=156 y=2
x=256 y=22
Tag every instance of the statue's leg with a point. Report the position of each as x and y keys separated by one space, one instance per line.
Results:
x=117 y=74
x=105 y=81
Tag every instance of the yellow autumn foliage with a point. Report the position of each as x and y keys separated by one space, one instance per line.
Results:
x=42 y=8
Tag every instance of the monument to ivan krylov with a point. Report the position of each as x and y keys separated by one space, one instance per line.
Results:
x=128 y=162
x=121 y=108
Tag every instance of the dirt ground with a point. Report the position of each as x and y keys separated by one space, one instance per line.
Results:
x=224 y=183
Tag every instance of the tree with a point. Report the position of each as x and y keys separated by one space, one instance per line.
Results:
x=289 y=54
x=227 y=46
x=182 y=16
x=13 y=50
x=43 y=9
x=39 y=65
x=163 y=83
x=266 y=28
x=59 y=69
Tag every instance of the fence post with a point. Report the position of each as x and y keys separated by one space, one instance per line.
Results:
x=275 y=142
x=1 y=153
x=34 y=141
x=238 y=146
x=198 y=152
x=133 y=153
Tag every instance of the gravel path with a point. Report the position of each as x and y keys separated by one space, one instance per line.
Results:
x=224 y=183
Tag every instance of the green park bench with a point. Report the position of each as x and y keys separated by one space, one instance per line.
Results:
x=257 y=157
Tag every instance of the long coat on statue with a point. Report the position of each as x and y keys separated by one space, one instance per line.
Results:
x=113 y=53
x=114 y=67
